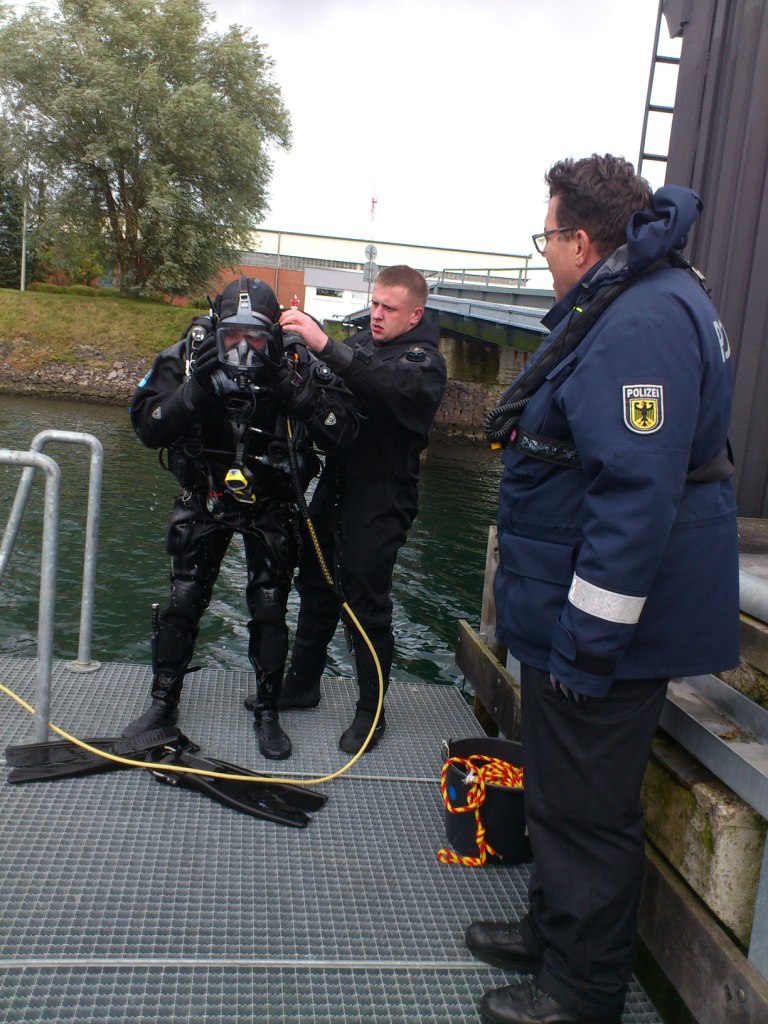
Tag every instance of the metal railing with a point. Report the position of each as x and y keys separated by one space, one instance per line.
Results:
x=32 y=460
x=516 y=277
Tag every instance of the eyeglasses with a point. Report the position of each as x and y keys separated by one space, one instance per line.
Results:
x=540 y=240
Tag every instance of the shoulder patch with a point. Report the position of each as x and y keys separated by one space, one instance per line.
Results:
x=643 y=407
x=157 y=413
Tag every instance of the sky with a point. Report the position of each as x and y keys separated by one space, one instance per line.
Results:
x=447 y=112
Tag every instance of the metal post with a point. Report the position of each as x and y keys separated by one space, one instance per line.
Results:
x=277 y=264
x=23 y=276
x=83 y=663
x=48 y=566
x=24 y=224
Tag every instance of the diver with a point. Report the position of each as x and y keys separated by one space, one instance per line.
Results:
x=240 y=413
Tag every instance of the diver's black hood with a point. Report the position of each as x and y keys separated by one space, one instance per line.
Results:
x=263 y=300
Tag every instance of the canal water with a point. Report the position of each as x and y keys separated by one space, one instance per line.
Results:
x=438 y=580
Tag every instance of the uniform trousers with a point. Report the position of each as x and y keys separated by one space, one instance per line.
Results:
x=360 y=545
x=584 y=766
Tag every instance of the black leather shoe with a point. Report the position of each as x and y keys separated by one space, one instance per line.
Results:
x=527 y=1004
x=502 y=945
x=355 y=736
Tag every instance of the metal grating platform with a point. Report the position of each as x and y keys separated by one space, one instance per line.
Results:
x=125 y=900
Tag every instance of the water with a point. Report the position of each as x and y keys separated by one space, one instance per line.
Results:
x=438 y=580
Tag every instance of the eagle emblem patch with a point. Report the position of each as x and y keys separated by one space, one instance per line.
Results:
x=643 y=407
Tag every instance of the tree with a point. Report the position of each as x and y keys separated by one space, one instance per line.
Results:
x=154 y=133
x=10 y=232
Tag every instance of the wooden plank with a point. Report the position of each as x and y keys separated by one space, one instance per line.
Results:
x=707 y=969
x=754 y=643
x=496 y=688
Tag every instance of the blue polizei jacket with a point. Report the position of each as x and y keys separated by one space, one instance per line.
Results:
x=622 y=568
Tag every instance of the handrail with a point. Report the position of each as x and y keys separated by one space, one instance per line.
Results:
x=83 y=663
x=48 y=565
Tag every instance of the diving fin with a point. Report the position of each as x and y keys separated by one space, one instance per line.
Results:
x=300 y=796
x=41 y=762
x=277 y=802
x=274 y=801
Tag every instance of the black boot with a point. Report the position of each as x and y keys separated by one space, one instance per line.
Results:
x=164 y=709
x=354 y=737
x=293 y=694
x=297 y=693
x=273 y=741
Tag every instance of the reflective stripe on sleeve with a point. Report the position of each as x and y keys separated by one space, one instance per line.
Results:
x=604 y=604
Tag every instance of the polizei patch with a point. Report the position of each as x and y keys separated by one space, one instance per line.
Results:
x=643 y=407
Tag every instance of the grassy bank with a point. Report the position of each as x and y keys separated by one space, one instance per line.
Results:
x=38 y=329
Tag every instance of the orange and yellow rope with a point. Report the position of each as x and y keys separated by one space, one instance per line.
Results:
x=481 y=771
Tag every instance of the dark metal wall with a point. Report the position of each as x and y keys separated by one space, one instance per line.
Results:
x=719 y=147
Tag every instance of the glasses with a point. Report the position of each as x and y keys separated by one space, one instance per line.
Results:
x=540 y=240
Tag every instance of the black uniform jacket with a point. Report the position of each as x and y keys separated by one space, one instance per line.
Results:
x=399 y=385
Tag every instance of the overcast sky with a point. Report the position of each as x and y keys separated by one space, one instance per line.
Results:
x=448 y=112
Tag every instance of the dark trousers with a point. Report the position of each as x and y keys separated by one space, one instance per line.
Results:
x=584 y=767
x=360 y=551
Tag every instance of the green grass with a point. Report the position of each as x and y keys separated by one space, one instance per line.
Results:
x=38 y=328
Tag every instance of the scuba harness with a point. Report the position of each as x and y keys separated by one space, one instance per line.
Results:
x=501 y=427
x=235 y=383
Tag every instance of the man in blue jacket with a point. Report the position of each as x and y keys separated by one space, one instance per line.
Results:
x=618 y=568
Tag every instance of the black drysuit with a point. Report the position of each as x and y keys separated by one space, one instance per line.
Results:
x=201 y=433
x=367 y=498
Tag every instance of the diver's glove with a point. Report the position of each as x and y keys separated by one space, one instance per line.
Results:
x=295 y=389
x=199 y=394
x=204 y=361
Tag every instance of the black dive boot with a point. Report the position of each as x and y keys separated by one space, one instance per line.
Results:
x=293 y=694
x=172 y=650
x=296 y=693
x=353 y=738
x=273 y=742
x=164 y=709
x=301 y=684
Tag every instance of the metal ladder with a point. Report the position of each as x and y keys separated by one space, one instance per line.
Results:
x=32 y=460
x=659 y=60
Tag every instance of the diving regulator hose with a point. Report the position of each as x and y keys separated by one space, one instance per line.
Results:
x=182 y=769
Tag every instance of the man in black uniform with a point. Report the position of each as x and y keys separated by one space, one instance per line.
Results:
x=367 y=496
x=237 y=410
